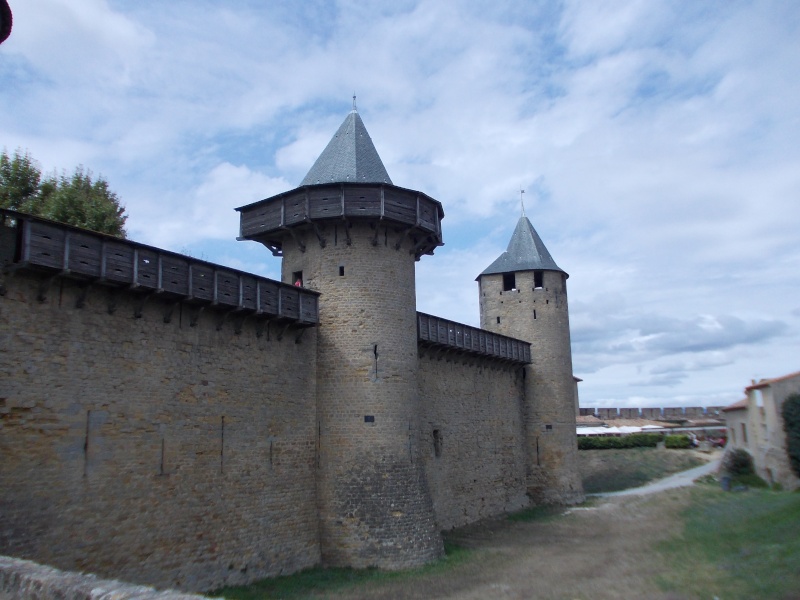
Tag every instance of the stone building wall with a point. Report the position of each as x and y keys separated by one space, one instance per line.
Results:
x=767 y=436
x=472 y=438
x=153 y=452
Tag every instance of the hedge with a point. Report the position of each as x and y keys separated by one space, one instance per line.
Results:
x=677 y=441
x=633 y=440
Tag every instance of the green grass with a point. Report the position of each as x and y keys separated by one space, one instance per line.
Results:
x=545 y=512
x=615 y=470
x=318 y=580
x=736 y=545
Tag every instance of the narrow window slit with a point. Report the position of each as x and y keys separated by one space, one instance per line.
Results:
x=86 y=443
x=222 y=445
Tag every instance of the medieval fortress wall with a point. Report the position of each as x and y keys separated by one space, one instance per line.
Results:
x=191 y=456
x=175 y=423
x=473 y=438
x=156 y=453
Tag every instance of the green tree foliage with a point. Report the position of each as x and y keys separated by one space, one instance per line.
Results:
x=738 y=462
x=791 y=424
x=77 y=200
x=633 y=440
x=677 y=442
x=19 y=181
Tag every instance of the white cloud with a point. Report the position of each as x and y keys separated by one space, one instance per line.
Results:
x=657 y=142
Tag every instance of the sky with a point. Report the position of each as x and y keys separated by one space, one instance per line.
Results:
x=657 y=144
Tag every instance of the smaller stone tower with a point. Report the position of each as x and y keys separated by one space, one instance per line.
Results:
x=350 y=234
x=523 y=294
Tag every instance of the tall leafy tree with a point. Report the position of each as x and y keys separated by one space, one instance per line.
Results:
x=19 y=181
x=81 y=201
x=77 y=199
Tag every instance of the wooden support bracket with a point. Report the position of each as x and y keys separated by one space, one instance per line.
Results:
x=402 y=237
x=297 y=239
x=280 y=335
x=112 y=301
x=377 y=231
x=419 y=244
x=322 y=241
x=300 y=335
x=139 y=309
x=80 y=302
x=222 y=318
x=194 y=315
x=44 y=287
x=347 y=232
x=261 y=326
x=238 y=324
x=168 y=312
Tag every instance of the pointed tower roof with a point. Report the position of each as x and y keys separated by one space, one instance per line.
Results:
x=350 y=157
x=526 y=252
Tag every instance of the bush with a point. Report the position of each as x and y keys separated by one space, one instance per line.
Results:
x=633 y=440
x=677 y=441
x=738 y=462
x=791 y=424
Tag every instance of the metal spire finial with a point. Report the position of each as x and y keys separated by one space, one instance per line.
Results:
x=354 y=102
x=522 y=203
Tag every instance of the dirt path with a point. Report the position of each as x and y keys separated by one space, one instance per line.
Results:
x=600 y=552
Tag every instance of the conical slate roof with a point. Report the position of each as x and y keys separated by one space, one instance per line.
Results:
x=350 y=157
x=526 y=252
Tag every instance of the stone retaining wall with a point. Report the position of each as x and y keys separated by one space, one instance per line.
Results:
x=27 y=580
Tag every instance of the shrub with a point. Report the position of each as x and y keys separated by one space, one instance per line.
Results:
x=738 y=462
x=677 y=441
x=633 y=440
x=791 y=424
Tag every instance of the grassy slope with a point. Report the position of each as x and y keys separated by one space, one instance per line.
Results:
x=604 y=470
x=306 y=583
x=614 y=470
x=737 y=546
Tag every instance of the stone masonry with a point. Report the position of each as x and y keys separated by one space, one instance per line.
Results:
x=149 y=438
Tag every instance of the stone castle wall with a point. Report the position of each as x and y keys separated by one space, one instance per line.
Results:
x=192 y=457
x=153 y=452
x=472 y=438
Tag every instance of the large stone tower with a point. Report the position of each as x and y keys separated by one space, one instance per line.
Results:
x=523 y=294
x=352 y=235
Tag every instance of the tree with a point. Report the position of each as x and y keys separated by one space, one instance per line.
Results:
x=79 y=201
x=19 y=181
x=791 y=424
x=76 y=200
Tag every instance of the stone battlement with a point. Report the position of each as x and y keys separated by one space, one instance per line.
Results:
x=675 y=413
